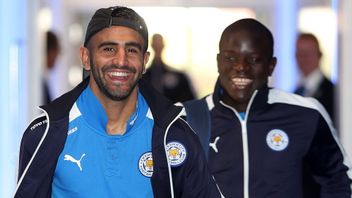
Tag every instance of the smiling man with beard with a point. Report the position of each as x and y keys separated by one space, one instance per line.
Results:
x=113 y=135
x=259 y=138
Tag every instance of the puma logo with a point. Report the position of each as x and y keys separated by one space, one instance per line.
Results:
x=213 y=145
x=72 y=159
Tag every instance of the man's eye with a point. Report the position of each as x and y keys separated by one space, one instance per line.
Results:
x=132 y=50
x=253 y=60
x=109 y=49
x=230 y=59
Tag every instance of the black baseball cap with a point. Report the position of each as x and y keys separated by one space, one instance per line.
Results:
x=119 y=16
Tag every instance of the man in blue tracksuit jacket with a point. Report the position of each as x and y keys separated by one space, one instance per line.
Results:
x=261 y=139
x=115 y=53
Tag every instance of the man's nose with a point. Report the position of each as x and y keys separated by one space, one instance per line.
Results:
x=240 y=66
x=120 y=57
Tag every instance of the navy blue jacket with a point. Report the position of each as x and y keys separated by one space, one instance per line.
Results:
x=44 y=139
x=264 y=154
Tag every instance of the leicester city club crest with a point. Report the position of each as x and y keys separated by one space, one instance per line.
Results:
x=176 y=153
x=277 y=140
x=145 y=164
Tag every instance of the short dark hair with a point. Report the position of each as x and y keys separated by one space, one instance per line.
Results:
x=119 y=16
x=255 y=28
x=310 y=36
x=52 y=42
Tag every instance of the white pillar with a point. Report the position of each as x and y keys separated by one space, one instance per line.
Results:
x=19 y=82
x=345 y=83
x=284 y=29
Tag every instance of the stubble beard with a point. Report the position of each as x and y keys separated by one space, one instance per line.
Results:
x=117 y=94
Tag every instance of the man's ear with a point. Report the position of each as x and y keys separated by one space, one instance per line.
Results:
x=218 y=60
x=272 y=65
x=145 y=60
x=84 y=55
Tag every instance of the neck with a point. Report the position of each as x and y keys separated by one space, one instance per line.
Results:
x=157 y=60
x=239 y=106
x=118 y=112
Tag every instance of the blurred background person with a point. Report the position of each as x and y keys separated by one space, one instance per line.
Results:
x=173 y=84
x=313 y=83
x=52 y=51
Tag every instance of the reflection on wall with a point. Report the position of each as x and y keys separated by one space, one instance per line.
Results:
x=45 y=18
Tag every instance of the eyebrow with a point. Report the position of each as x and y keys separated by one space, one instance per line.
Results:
x=131 y=43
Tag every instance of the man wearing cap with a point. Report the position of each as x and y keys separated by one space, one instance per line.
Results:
x=112 y=135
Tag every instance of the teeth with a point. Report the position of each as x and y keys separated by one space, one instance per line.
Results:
x=241 y=82
x=118 y=74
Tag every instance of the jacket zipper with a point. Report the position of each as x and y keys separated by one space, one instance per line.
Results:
x=168 y=163
x=244 y=143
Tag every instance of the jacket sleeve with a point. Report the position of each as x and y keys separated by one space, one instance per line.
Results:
x=29 y=143
x=192 y=178
x=328 y=163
